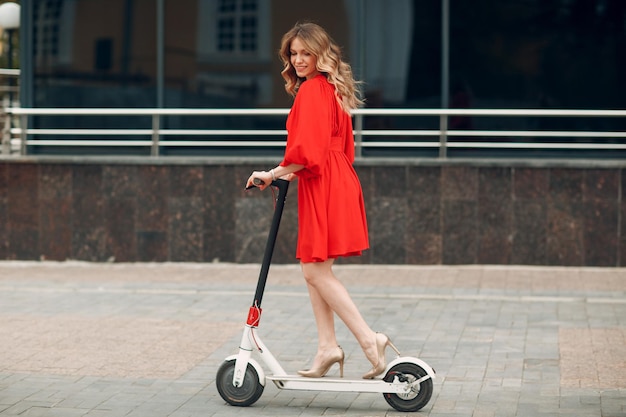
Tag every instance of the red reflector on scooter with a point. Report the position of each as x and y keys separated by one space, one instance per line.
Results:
x=254 y=316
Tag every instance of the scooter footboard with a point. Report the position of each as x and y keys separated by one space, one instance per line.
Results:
x=298 y=383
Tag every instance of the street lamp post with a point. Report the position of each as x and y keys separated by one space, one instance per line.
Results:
x=10 y=22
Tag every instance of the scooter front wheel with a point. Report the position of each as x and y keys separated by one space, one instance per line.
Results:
x=243 y=396
x=419 y=394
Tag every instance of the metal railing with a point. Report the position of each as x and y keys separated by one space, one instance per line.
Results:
x=9 y=96
x=156 y=137
x=13 y=76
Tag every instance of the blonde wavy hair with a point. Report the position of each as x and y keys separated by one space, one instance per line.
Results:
x=329 y=62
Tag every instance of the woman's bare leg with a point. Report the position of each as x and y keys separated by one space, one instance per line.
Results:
x=329 y=295
x=324 y=318
x=325 y=321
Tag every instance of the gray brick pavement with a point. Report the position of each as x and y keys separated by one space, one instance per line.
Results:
x=145 y=340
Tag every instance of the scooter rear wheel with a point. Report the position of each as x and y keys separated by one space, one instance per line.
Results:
x=419 y=395
x=243 y=396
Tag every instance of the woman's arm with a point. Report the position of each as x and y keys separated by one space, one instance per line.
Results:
x=267 y=177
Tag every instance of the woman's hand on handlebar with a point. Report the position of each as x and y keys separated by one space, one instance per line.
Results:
x=264 y=176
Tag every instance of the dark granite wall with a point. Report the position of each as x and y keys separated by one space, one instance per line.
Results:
x=419 y=212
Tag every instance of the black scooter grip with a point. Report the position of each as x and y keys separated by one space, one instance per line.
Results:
x=255 y=183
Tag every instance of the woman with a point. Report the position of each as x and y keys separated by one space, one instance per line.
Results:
x=331 y=213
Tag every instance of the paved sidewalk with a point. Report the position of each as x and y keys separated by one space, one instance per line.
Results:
x=145 y=340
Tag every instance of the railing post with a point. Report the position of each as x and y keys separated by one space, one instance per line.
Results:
x=358 y=138
x=6 y=134
x=23 y=135
x=156 y=120
x=443 y=136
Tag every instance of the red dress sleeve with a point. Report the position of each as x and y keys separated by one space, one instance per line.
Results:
x=310 y=127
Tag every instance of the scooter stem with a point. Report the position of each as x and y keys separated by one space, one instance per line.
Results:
x=254 y=315
x=283 y=187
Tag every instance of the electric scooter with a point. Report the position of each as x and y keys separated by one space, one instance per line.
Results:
x=407 y=384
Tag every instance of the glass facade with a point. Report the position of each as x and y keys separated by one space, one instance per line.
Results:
x=544 y=53
x=567 y=54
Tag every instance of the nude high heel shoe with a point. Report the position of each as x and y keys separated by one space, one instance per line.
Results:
x=382 y=341
x=325 y=366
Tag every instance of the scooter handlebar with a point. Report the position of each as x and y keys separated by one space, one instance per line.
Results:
x=255 y=183
x=279 y=183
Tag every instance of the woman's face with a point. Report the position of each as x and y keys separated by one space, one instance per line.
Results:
x=304 y=62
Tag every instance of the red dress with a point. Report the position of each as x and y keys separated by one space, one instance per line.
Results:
x=331 y=211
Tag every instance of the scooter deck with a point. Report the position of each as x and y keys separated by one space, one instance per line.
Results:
x=294 y=382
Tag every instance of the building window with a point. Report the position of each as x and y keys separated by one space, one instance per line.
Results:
x=46 y=18
x=237 y=26
x=53 y=27
x=234 y=30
